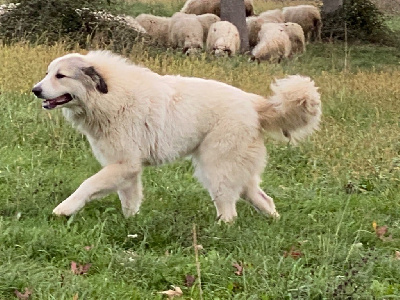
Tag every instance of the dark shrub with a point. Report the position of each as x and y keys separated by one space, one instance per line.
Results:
x=71 y=21
x=360 y=18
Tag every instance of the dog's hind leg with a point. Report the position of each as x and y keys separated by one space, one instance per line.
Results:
x=223 y=191
x=109 y=179
x=222 y=182
x=256 y=196
x=131 y=197
x=225 y=203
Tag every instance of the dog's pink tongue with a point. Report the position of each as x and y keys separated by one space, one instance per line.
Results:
x=49 y=104
x=52 y=103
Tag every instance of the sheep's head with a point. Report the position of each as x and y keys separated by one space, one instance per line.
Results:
x=193 y=44
x=223 y=51
x=191 y=51
x=220 y=48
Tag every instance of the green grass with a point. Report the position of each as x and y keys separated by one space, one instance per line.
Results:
x=329 y=190
x=154 y=7
x=394 y=23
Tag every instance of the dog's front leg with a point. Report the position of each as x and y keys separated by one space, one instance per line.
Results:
x=131 y=196
x=109 y=179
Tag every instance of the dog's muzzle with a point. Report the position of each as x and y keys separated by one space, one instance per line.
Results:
x=51 y=103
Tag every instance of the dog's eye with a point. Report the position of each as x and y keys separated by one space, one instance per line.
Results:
x=59 y=76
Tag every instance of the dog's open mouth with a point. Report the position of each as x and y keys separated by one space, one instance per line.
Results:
x=53 y=103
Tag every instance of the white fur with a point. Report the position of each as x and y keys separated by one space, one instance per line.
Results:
x=206 y=21
x=272 y=16
x=274 y=43
x=186 y=32
x=308 y=17
x=223 y=37
x=157 y=27
x=146 y=118
x=296 y=36
x=132 y=22
x=199 y=7
x=254 y=23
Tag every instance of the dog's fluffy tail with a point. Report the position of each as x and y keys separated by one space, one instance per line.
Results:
x=293 y=111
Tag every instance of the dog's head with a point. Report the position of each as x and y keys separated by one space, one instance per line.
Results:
x=68 y=80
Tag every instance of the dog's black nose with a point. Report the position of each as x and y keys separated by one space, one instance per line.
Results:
x=37 y=91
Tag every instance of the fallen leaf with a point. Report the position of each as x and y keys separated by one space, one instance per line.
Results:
x=189 y=280
x=78 y=269
x=75 y=297
x=23 y=296
x=175 y=292
x=397 y=255
x=73 y=267
x=293 y=253
x=374 y=225
x=87 y=248
x=381 y=232
x=239 y=269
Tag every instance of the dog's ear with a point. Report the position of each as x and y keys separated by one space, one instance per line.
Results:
x=101 y=85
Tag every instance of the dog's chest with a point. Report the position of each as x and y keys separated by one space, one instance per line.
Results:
x=107 y=152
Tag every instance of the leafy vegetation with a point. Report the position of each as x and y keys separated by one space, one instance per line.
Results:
x=359 y=20
x=77 y=22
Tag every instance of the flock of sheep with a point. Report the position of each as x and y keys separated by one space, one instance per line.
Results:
x=273 y=34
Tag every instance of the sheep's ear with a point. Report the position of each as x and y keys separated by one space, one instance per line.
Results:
x=101 y=85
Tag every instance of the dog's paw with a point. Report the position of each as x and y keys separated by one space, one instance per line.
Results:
x=129 y=212
x=67 y=208
x=275 y=215
x=226 y=219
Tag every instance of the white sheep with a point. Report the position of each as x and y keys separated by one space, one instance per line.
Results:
x=186 y=32
x=272 y=16
x=253 y=28
x=308 y=17
x=206 y=21
x=274 y=43
x=133 y=23
x=254 y=23
x=296 y=36
x=223 y=38
x=156 y=27
x=199 y=7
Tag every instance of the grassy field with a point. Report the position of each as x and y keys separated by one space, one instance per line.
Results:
x=329 y=191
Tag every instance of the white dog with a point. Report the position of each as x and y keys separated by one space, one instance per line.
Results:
x=134 y=117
